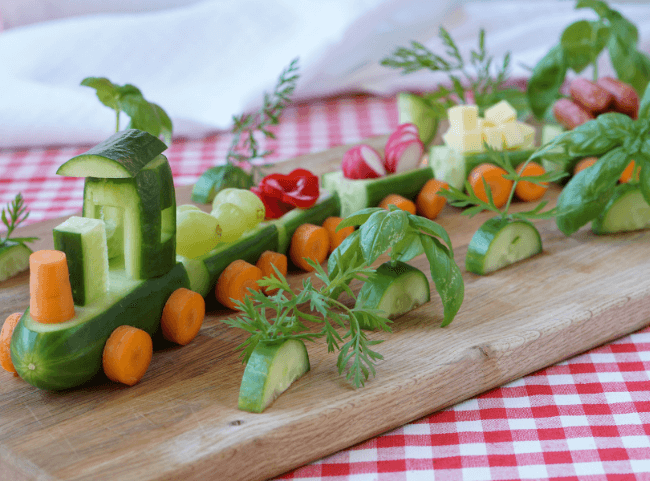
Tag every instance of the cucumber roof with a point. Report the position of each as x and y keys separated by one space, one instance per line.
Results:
x=122 y=155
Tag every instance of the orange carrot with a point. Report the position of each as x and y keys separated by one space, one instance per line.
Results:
x=429 y=203
x=527 y=191
x=493 y=175
x=265 y=263
x=127 y=355
x=399 y=202
x=584 y=163
x=182 y=316
x=626 y=176
x=49 y=287
x=336 y=237
x=235 y=281
x=5 y=341
x=309 y=241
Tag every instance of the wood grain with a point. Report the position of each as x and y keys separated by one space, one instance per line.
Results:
x=181 y=421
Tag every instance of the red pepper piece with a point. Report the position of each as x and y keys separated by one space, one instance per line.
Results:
x=274 y=207
x=299 y=188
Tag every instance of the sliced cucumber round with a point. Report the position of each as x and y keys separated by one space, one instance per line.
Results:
x=271 y=369
x=626 y=211
x=394 y=289
x=14 y=258
x=500 y=242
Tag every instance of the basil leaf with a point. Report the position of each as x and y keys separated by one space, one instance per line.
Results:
x=582 y=42
x=446 y=276
x=631 y=66
x=106 y=91
x=430 y=227
x=644 y=106
x=348 y=249
x=587 y=193
x=644 y=178
x=601 y=8
x=408 y=248
x=358 y=217
x=381 y=231
x=546 y=80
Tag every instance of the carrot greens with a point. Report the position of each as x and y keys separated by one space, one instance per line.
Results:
x=15 y=214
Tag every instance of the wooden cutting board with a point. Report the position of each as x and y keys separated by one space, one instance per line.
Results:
x=181 y=420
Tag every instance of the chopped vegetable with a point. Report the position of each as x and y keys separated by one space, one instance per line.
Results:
x=127 y=355
x=404 y=149
x=5 y=341
x=489 y=177
x=362 y=162
x=268 y=262
x=49 y=287
x=429 y=202
x=281 y=193
x=626 y=211
x=182 y=316
x=337 y=236
x=584 y=163
x=235 y=283
x=399 y=202
x=629 y=171
x=309 y=244
x=527 y=191
x=14 y=253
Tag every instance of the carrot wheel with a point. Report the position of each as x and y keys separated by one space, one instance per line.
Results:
x=127 y=355
x=266 y=262
x=309 y=242
x=527 y=191
x=429 y=202
x=627 y=174
x=399 y=202
x=182 y=316
x=235 y=281
x=5 y=341
x=584 y=163
x=493 y=175
x=336 y=237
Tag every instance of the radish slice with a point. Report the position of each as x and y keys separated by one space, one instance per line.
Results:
x=408 y=127
x=362 y=162
x=404 y=156
x=398 y=138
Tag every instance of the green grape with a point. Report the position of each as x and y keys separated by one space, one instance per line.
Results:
x=232 y=220
x=197 y=233
x=184 y=207
x=252 y=206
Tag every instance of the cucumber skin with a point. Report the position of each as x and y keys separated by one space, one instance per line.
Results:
x=7 y=248
x=622 y=190
x=71 y=245
x=69 y=357
x=482 y=239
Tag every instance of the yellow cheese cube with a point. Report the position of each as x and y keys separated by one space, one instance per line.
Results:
x=501 y=113
x=528 y=132
x=487 y=123
x=463 y=117
x=493 y=136
x=512 y=136
x=468 y=141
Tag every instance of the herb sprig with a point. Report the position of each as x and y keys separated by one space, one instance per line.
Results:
x=581 y=44
x=480 y=74
x=458 y=198
x=245 y=146
x=17 y=213
x=144 y=115
x=316 y=305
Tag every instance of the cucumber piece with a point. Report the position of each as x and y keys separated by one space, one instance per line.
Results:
x=271 y=369
x=197 y=273
x=328 y=205
x=626 y=211
x=355 y=195
x=65 y=355
x=122 y=155
x=14 y=258
x=500 y=242
x=454 y=167
x=412 y=108
x=218 y=178
x=84 y=242
x=395 y=289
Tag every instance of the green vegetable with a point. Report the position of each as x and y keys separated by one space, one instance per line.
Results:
x=128 y=98
x=422 y=112
x=581 y=43
x=271 y=369
x=626 y=211
x=14 y=253
x=218 y=178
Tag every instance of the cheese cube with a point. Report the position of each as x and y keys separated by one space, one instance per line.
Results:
x=468 y=141
x=487 y=123
x=462 y=117
x=501 y=113
x=528 y=132
x=512 y=136
x=493 y=136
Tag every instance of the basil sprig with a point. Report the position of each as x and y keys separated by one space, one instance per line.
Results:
x=144 y=115
x=617 y=140
x=406 y=236
x=581 y=43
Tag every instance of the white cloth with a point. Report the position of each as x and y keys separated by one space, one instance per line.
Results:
x=205 y=62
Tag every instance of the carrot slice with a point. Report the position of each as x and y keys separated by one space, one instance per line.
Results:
x=584 y=163
x=527 y=191
x=493 y=175
x=182 y=316
x=49 y=287
x=336 y=237
x=265 y=263
x=626 y=176
x=235 y=281
x=399 y=202
x=127 y=355
x=309 y=241
x=429 y=203
x=5 y=341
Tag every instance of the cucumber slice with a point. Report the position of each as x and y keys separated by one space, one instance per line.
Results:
x=271 y=369
x=454 y=167
x=412 y=108
x=84 y=242
x=197 y=273
x=394 y=289
x=14 y=258
x=500 y=242
x=626 y=211
x=359 y=194
x=218 y=178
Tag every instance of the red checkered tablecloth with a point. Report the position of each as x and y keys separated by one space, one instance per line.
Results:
x=587 y=418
